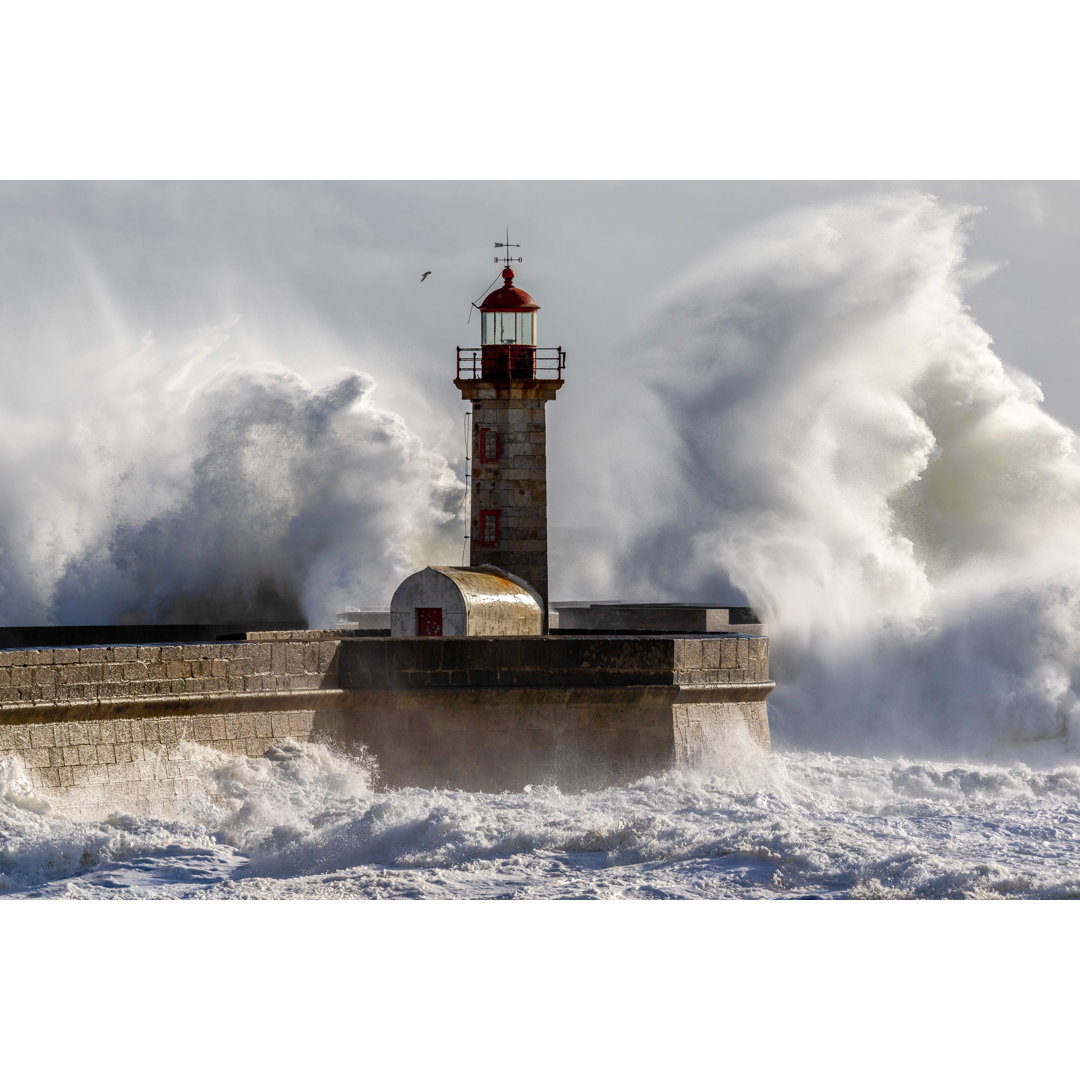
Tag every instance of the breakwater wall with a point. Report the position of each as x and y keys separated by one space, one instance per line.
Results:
x=501 y=712
x=105 y=726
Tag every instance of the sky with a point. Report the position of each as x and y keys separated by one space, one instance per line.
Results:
x=348 y=257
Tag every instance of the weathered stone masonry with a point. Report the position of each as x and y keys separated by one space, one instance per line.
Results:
x=499 y=713
x=516 y=484
x=105 y=724
x=108 y=721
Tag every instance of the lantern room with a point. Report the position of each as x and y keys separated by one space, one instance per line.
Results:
x=508 y=315
x=508 y=332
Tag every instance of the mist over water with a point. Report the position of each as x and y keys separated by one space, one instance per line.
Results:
x=848 y=453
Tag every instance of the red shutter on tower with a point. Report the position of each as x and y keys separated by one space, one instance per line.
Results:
x=429 y=622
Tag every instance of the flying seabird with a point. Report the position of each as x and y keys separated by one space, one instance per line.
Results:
x=426 y=272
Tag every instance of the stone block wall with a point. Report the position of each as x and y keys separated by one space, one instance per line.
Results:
x=138 y=765
x=433 y=662
x=103 y=726
x=702 y=661
x=497 y=713
x=497 y=739
x=61 y=676
x=706 y=732
x=516 y=483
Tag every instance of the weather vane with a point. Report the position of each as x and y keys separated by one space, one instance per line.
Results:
x=507 y=258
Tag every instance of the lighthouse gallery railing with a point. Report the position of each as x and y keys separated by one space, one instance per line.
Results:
x=550 y=362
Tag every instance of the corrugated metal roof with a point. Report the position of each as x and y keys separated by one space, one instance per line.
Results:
x=480 y=585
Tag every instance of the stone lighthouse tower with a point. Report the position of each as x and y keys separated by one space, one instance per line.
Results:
x=509 y=380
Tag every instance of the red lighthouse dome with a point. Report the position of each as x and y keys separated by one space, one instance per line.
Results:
x=509 y=297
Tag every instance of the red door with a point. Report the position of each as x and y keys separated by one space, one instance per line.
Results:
x=429 y=622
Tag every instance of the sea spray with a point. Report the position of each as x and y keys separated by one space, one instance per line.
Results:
x=194 y=482
x=853 y=459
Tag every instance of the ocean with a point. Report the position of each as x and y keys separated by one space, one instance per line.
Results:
x=306 y=823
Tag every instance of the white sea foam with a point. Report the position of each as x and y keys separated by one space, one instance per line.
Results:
x=305 y=822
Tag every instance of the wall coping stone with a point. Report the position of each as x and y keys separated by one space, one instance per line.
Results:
x=47 y=712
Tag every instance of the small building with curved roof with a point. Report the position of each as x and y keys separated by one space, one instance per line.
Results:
x=465 y=601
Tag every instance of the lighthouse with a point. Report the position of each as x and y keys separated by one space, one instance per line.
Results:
x=508 y=381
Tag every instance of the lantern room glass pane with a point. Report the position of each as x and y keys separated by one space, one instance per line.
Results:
x=508 y=327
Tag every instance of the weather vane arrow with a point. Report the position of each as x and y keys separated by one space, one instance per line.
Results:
x=507 y=258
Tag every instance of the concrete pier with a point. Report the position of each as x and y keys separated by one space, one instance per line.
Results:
x=502 y=712
x=102 y=726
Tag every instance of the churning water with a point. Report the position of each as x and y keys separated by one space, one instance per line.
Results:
x=305 y=823
x=832 y=439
